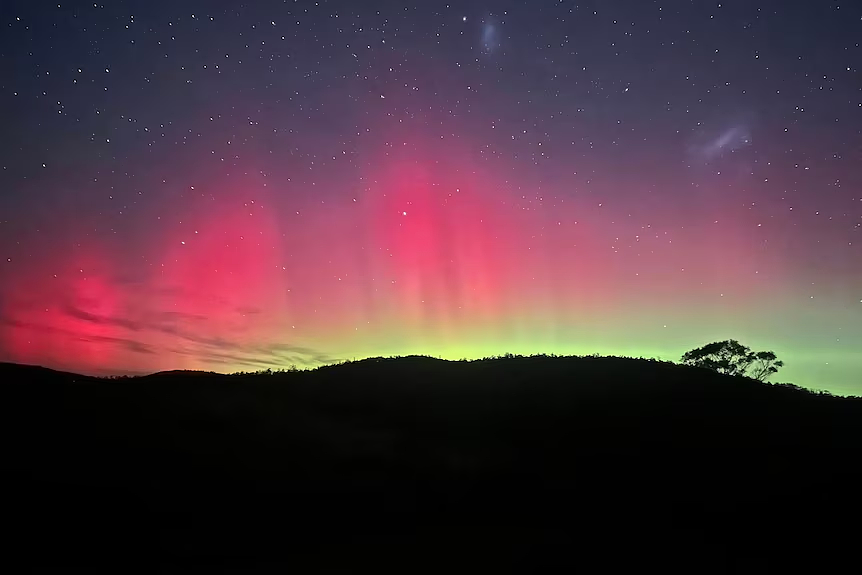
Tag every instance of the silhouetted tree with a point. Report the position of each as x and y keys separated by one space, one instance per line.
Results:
x=732 y=358
x=764 y=364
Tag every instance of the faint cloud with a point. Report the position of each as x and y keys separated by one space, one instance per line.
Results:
x=129 y=344
x=249 y=310
x=78 y=313
x=139 y=327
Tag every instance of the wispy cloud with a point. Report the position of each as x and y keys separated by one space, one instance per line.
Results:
x=83 y=315
x=130 y=344
x=247 y=310
x=139 y=326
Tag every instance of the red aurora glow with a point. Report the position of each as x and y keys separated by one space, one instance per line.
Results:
x=426 y=255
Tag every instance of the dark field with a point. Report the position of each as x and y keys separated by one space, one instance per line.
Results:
x=417 y=465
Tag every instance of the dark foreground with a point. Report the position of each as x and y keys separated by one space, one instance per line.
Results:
x=416 y=465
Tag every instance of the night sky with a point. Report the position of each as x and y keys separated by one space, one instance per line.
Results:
x=211 y=185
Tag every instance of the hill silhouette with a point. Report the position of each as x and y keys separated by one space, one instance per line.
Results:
x=514 y=464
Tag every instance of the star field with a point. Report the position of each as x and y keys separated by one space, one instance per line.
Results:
x=210 y=185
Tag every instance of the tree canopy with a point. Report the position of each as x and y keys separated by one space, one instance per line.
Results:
x=732 y=358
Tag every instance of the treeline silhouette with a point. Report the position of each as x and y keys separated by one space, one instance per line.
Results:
x=413 y=464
